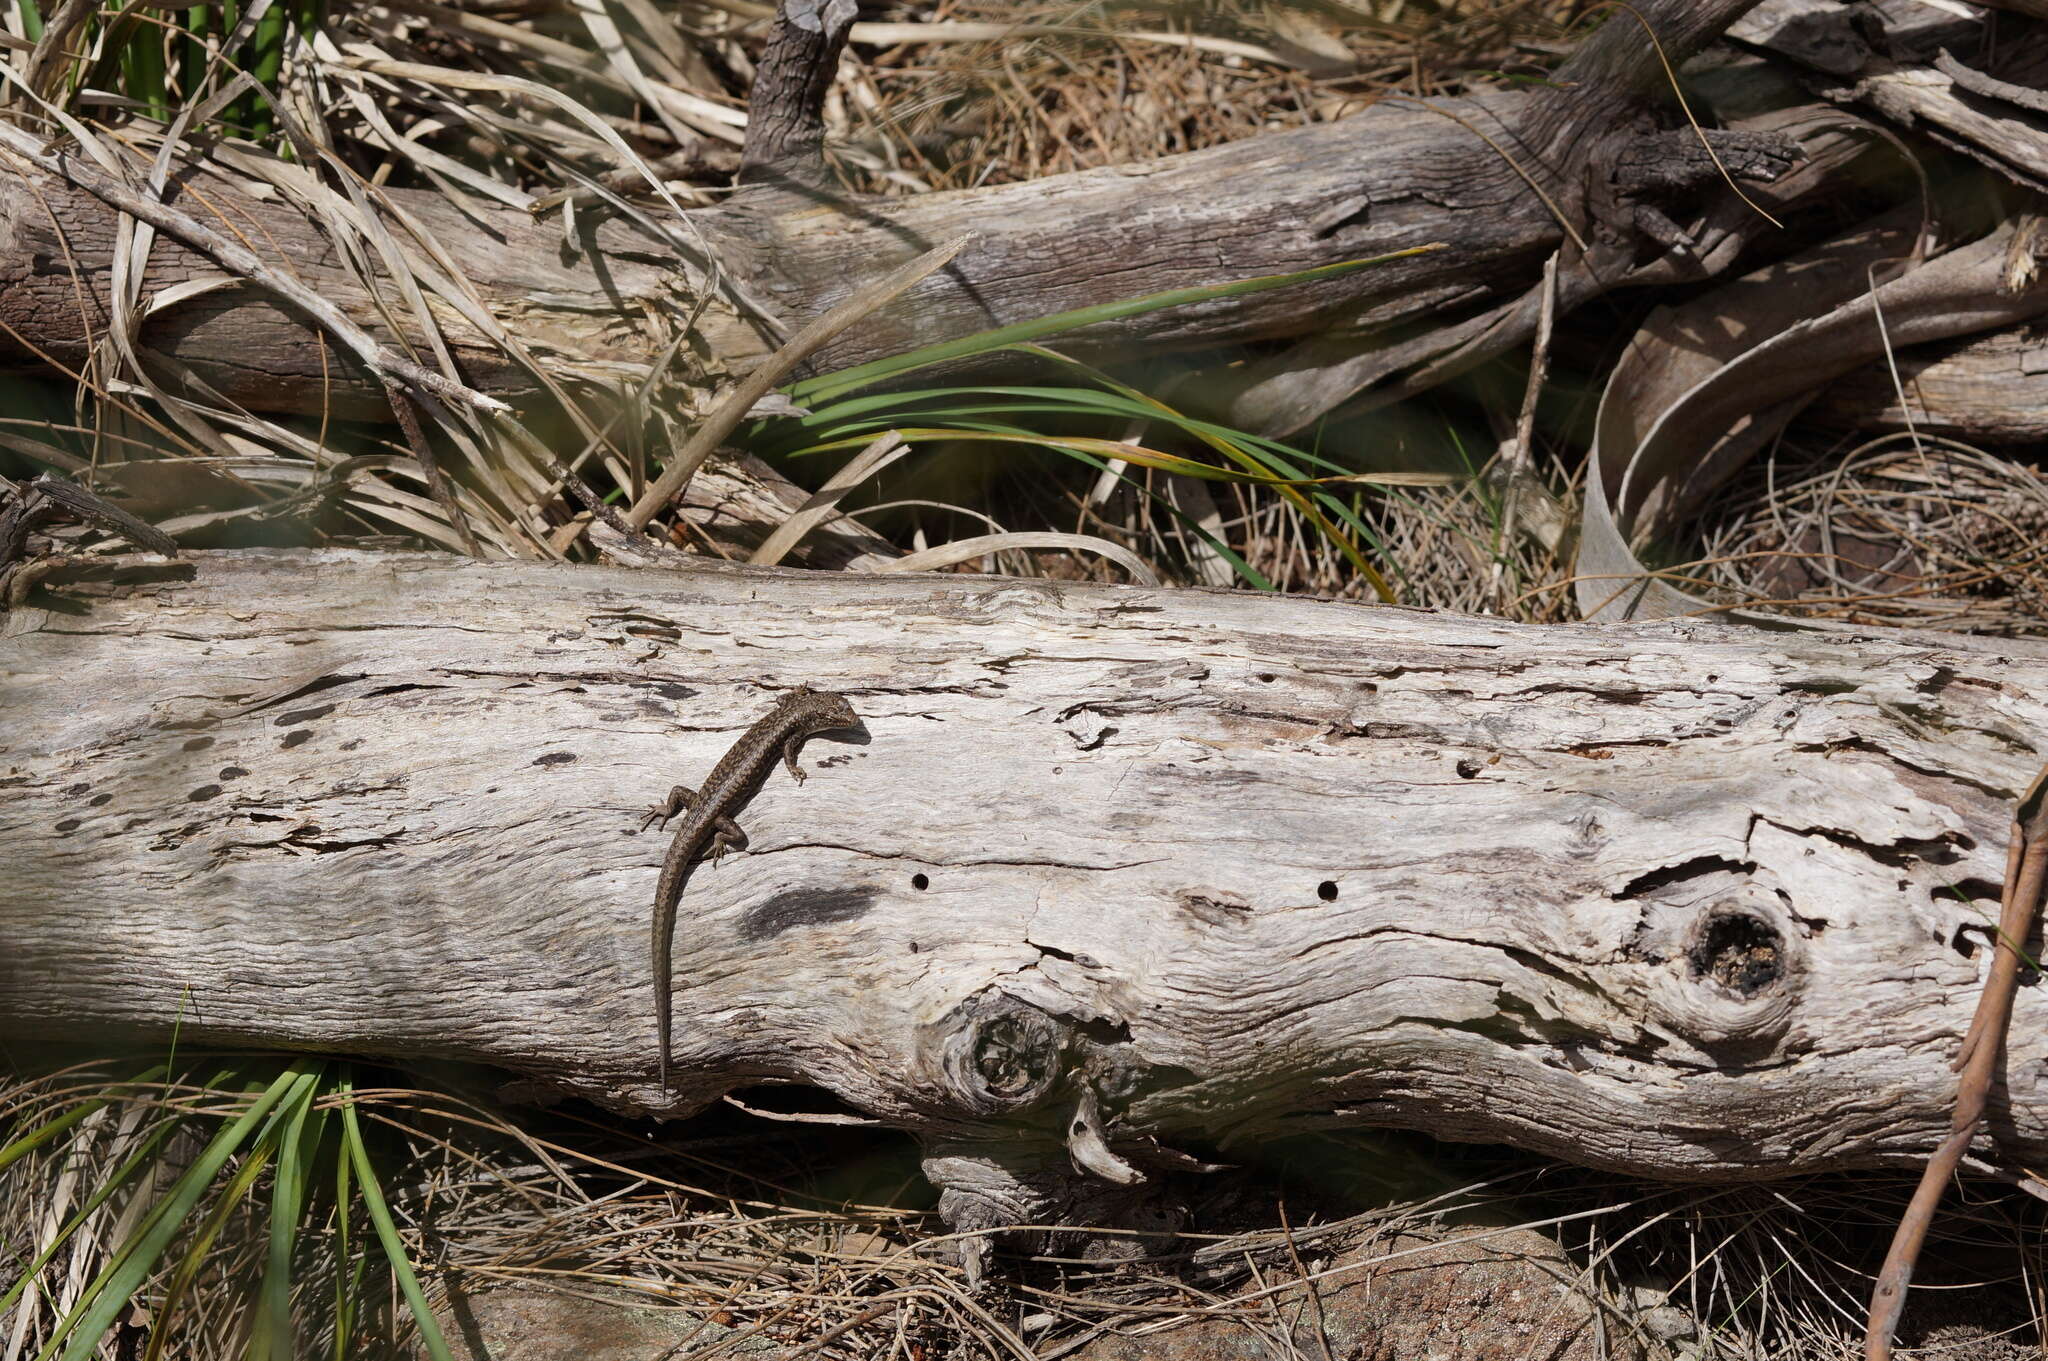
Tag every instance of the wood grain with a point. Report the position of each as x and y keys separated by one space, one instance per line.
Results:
x=1673 y=898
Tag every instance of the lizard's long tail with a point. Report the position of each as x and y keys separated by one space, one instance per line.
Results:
x=661 y=1023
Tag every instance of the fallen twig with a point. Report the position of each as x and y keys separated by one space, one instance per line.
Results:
x=2026 y=874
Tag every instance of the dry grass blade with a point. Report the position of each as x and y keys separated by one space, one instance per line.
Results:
x=49 y=64
x=981 y=546
x=236 y=259
x=886 y=449
x=611 y=44
x=778 y=366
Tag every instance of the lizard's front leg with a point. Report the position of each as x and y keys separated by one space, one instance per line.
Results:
x=790 y=746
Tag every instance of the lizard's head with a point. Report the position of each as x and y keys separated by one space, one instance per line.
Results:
x=837 y=709
x=824 y=710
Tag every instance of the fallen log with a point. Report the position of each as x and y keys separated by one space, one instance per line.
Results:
x=1112 y=874
x=1502 y=179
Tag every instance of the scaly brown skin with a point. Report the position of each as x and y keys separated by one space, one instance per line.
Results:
x=709 y=823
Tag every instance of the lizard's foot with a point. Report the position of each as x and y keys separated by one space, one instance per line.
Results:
x=679 y=798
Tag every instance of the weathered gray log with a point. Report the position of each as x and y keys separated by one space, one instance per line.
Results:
x=1186 y=867
x=1992 y=389
x=1244 y=210
x=1496 y=177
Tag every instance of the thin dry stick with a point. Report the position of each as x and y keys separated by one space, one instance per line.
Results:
x=1518 y=456
x=831 y=1335
x=1315 y=1298
x=773 y=370
x=437 y=477
x=2026 y=875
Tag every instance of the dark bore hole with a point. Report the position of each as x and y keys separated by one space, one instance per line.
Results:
x=1266 y=678
x=1327 y=890
x=1467 y=769
x=1962 y=944
x=920 y=882
x=1739 y=952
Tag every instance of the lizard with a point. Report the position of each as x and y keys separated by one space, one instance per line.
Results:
x=708 y=823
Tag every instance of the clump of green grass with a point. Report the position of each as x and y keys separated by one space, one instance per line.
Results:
x=846 y=410
x=240 y=1174
x=158 y=64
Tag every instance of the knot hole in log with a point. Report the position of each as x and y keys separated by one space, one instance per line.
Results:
x=1038 y=1086
x=1729 y=957
x=1738 y=951
x=1001 y=1056
x=1005 y=1060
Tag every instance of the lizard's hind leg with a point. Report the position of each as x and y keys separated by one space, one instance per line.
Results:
x=679 y=798
x=726 y=836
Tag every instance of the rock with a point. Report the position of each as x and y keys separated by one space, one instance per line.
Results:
x=1464 y=1295
x=531 y=1323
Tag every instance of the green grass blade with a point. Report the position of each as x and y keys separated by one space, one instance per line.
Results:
x=1109 y=448
x=387 y=1234
x=1264 y=456
x=1281 y=476
x=114 y=65
x=344 y=1292
x=1122 y=403
x=830 y=385
x=298 y=1146
x=1078 y=450
x=143 y=71
x=1273 y=461
x=192 y=56
x=224 y=1206
x=1079 y=400
x=1251 y=575
x=264 y=60
x=136 y=1260
x=42 y=1134
x=100 y=1196
x=235 y=117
